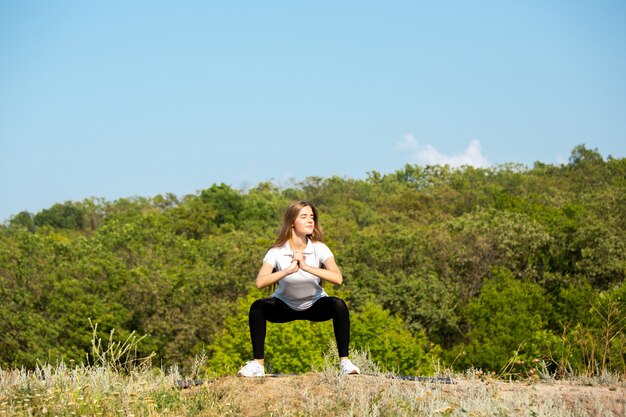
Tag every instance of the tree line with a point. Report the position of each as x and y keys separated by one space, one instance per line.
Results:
x=506 y=269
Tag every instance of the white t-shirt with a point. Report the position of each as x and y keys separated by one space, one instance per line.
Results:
x=300 y=289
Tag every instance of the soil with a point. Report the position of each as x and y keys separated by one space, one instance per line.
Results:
x=287 y=395
x=577 y=398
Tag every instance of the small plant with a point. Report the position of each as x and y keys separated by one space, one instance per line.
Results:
x=117 y=355
x=361 y=358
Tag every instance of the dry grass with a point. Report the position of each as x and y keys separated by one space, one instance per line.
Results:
x=101 y=390
x=116 y=384
x=317 y=395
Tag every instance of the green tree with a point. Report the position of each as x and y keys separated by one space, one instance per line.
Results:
x=23 y=219
x=62 y=216
x=506 y=319
x=227 y=203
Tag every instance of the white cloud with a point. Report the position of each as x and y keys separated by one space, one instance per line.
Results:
x=561 y=160
x=428 y=155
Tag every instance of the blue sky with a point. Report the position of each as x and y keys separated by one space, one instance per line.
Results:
x=138 y=98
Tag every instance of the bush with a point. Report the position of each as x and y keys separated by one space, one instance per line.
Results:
x=507 y=320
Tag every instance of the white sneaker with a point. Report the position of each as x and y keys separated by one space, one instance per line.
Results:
x=348 y=368
x=252 y=369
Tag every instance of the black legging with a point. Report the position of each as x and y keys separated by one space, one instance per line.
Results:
x=276 y=311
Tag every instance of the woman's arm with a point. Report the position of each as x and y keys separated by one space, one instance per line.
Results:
x=267 y=277
x=330 y=273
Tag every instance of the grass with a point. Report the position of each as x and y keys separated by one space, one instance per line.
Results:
x=116 y=383
x=62 y=390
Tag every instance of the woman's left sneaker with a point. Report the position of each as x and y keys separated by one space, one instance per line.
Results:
x=348 y=368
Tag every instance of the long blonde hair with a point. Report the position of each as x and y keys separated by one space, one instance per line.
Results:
x=291 y=214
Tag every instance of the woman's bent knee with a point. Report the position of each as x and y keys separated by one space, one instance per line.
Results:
x=339 y=305
x=259 y=306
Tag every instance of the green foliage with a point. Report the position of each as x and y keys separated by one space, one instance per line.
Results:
x=23 y=220
x=506 y=319
x=390 y=344
x=425 y=250
x=225 y=202
x=61 y=216
x=485 y=239
x=592 y=331
x=426 y=303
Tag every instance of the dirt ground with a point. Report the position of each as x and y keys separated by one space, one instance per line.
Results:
x=579 y=399
x=318 y=394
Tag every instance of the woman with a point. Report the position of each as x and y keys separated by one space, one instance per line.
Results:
x=298 y=261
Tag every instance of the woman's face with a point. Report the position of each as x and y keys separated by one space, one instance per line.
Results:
x=305 y=221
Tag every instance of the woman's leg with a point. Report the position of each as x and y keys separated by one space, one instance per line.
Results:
x=262 y=311
x=334 y=308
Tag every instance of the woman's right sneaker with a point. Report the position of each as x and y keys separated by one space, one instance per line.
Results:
x=252 y=369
